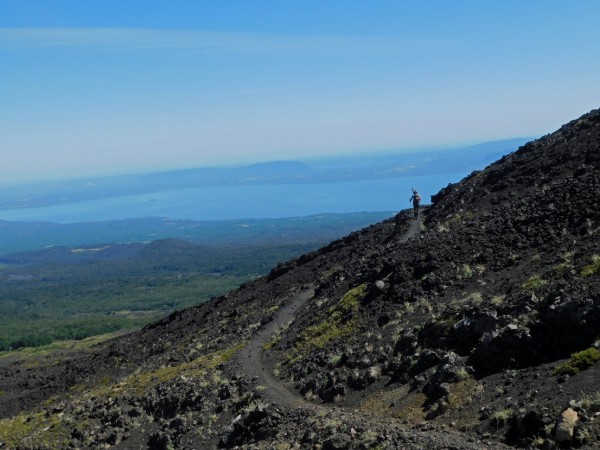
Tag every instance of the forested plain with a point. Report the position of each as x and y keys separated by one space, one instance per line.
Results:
x=73 y=292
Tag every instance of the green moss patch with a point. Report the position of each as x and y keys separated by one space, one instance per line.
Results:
x=37 y=430
x=578 y=362
x=334 y=326
x=196 y=368
x=592 y=268
x=140 y=383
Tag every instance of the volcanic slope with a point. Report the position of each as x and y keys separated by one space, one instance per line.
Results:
x=475 y=327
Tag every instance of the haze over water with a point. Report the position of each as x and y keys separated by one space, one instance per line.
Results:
x=239 y=202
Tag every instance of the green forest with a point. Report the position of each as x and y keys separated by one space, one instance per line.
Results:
x=72 y=293
x=54 y=287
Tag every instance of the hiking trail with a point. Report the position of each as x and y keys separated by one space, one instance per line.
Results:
x=251 y=360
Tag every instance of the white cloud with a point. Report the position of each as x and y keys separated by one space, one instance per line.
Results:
x=151 y=39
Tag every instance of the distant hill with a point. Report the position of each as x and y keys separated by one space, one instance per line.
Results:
x=21 y=236
x=359 y=167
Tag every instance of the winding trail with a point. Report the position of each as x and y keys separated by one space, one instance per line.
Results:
x=278 y=392
x=251 y=361
x=251 y=357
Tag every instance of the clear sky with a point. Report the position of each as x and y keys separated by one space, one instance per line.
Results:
x=101 y=86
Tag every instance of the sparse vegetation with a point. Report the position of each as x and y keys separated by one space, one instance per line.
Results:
x=29 y=353
x=566 y=264
x=533 y=284
x=335 y=359
x=474 y=299
x=272 y=343
x=501 y=417
x=591 y=402
x=462 y=374
x=466 y=271
x=578 y=362
x=592 y=268
x=497 y=300
x=37 y=430
x=335 y=325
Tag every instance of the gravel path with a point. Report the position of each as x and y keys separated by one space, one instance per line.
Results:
x=278 y=392
x=250 y=359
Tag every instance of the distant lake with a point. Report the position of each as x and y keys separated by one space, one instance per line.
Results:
x=240 y=202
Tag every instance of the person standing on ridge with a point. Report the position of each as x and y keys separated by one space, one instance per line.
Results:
x=416 y=201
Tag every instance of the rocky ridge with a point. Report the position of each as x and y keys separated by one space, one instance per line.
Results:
x=475 y=327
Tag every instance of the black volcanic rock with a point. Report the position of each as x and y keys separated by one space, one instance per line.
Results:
x=453 y=331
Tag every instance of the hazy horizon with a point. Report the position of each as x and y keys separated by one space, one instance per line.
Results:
x=269 y=190
x=323 y=158
x=93 y=88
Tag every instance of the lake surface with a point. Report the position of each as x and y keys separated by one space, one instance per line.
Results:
x=240 y=202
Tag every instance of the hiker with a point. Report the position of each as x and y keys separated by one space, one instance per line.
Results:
x=416 y=200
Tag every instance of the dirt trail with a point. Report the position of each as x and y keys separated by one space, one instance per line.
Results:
x=251 y=360
x=252 y=363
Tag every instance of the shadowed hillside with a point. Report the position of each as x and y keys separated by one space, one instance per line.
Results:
x=475 y=327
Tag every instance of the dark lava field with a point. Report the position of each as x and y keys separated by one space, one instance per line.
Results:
x=476 y=326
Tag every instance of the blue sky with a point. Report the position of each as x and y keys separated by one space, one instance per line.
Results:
x=102 y=86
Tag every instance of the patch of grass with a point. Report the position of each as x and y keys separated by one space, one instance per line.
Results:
x=334 y=326
x=424 y=305
x=45 y=350
x=592 y=268
x=140 y=383
x=37 y=430
x=442 y=227
x=462 y=374
x=351 y=300
x=566 y=264
x=533 y=284
x=456 y=219
x=578 y=362
x=480 y=269
x=591 y=402
x=333 y=270
x=497 y=300
x=334 y=360
x=272 y=343
x=474 y=299
x=538 y=442
x=465 y=271
x=501 y=417
x=310 y=396
x=370 y=436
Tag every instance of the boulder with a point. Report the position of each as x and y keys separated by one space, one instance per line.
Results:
x=450 y=370
x=338 y=441
x=565 y=425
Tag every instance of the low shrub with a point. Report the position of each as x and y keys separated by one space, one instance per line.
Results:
x=533 y=284
x=578 y=362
